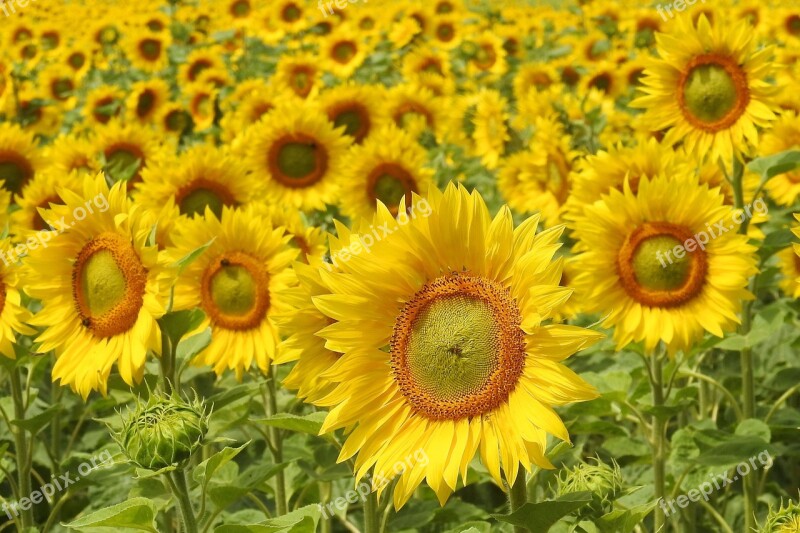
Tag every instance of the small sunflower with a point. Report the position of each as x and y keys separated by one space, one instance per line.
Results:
x=299 y=74
x=645 y=265
x=39 y=193
x=342 y=52
x=147 y=50
x=146 y=100
x=13 y=315
x=20 y=157
x=298 y=155
x=125 y=150
x=457 y=358
x=103 y=104
x=236 y=282
x=709 y=88
x=784 y=135
x=388 y=167
x=203 y=177
x=356 y=108
x=102 y=288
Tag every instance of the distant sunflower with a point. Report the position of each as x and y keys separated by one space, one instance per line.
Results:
x=298 y=156
x=39 y=193
x=310 y=240
x=201 y=103
x=784 y=135
x=202 y=177
x=789 y=263
x=389 y=166
x=102 y=289
x=146 y=99
x=415 y=109
x=355 y=107
x=198 y=61
x=342 y=52
x=147 y=50
x=20 y=157
x=126 y=150
x=300 y=74
x=634 y=270
x=236 y=282
x=456 y=355
x=72 y=152
x=13 y=315
x=103 y=104
x=709 y=88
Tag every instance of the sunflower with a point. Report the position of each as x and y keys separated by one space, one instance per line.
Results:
x=789 y=263
x=708 y=88
x=174 y=119
x=199 y=60
x=422 y=60
x=254 y=100
x=298 y=155
x=597 y=174
x=147 y=50
x=77 y=57
x=103 y=104
x=308 y=239
x=60 y=86
x=415 y=109
x=201 y=103
x=299 y=74
x=388 y=167
x=533 y=77
x=102 y=288
x=356 y=108
x=72 y=152
x=489 y=59
x=490 y=127
x=342 y=52
x=236 y=282
x=445 y=32
x=289 y=15
x=646 y=266
x=146 y=100
x=202 y=177
x=20 y=157
x=456 y=355
x=39 y=193
x=125 y=150
x=784 y=135
x=13 y=315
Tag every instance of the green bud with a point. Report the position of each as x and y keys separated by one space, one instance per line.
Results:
x=163 y=432
x=783 y=520
x=602 y=480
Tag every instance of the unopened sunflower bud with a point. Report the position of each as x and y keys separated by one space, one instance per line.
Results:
x=163 y=432
x=602 y=480
x=783 y=520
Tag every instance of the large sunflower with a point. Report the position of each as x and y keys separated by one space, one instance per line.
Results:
x=453 y=356
x=389 y=166
x=298 y=155
x=646 y=266
x=236 y=282
x=102 y=288
x=708 y=88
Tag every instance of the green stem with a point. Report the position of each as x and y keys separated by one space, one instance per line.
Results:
x=167 y=362
x=657 y=437
x=518 y=496
x=371 y=513
x=21 y=452
x=325 y=489
x=276 y=445
x=180 y=489
x=746 y=355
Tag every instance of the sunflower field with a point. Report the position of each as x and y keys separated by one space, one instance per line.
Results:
x=400 y=266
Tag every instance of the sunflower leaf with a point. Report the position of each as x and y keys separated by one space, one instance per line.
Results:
x=540 y=517
x=772 y=165
x=136 y=513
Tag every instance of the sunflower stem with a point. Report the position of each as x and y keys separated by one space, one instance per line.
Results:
x=167 y=362
x=746 y=355
x=517 y=497
x=658 y=436
x=372 y=519
x=180 y=489
x=276 y=445
x=21 y=452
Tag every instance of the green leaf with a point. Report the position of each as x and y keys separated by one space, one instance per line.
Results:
x=38 y=422
x=772 y=165
x=303 y=520
x=755 y=428
x=310 y=424
x=192 y=346
x=205 y=470
x=178 y=323
x=540 y=517
x=136 y=513
x=624 y=521
x=189 y=258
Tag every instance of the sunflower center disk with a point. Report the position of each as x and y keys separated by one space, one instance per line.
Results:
x=196 y=201
x=653 y=274
x=103 y=283
x=297 y=161
x=353 y=123
x=648 y=270
x=390 y=183
x=235 y=291
x=710 y=92
x=109 y=282
x=457 y=348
